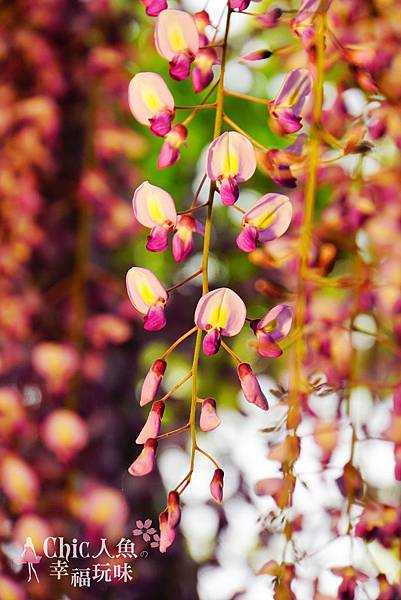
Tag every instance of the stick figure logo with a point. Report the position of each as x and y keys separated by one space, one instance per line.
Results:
x=30 y=558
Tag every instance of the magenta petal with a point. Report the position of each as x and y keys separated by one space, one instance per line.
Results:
x=155 y=319
x=289 y=122
x=267 y=347
x=180 y=67
x=229 y=191
x=168 y=156
x=250 y=386
x=211 y=342
x=158 y=239
x=247 y=239
x=154 y=7
x=239 y=4
x=182 y=248
x=201 y=79
x=160 y=124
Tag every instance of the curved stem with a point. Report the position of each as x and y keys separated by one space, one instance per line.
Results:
x=231 y=352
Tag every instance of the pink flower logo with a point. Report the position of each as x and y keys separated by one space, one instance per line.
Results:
x=147 y=532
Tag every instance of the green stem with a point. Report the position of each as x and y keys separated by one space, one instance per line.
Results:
x=218 y=123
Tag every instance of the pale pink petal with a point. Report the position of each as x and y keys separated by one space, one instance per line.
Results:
x=151 y=429
x=145 y=462
x=152 y=381
x=230 y=155
x=208 y=417
x=250 y=386
x=176 y=33
x=282 y=315
x=221 y=309
x=153 y=206
x=270 y=216
x=148 y=95
x=144 y=289
x=167 y=533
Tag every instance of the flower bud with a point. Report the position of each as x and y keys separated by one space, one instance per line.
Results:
x=170 y=152
x=269 y=19
x=216 y=485
x=173 y=509
x=250 y=386
x=167 y=533
x=208 y=417
x=152 y=381
x=145 y=462
x=151 y=429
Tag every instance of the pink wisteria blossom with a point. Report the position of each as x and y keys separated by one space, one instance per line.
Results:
x=65 y=433
x=287 y=106
x=251 y=387
x=266 y=220
x=144 y=463
x=177 y=40
x=216 y=485
x=202 y=73
x=148 y=296
x=167 y=533
x=170 y=151
x=220 y=312
x=230 y=160
x=152 y=381
x=155 y=208
x=183 y=242
x=151 y=102
x=151 y=429
x=272 y=328
x=209 y=419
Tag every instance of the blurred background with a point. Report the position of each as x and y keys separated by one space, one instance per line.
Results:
x=73 y=353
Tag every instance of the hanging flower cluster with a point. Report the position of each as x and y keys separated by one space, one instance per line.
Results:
x=219 y=313
x=329 y=251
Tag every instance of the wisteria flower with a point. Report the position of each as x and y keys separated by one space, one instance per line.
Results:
x=151 y=429
x=155 y=208
x=152 y=381
x=287 y=106
x=183 y=238
x=280 y=164
x=272 y=328
x=202 y=73
x=216 y=485
x=148 y=296
x=209 y=419
x=144 y=463
x=177 y=40
x=151 y=102
x=266 y=220
x=251 y=387
x=230 y=160
x=220 y=312
x=170 y=151
x=144 y=529
x=167 y=533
